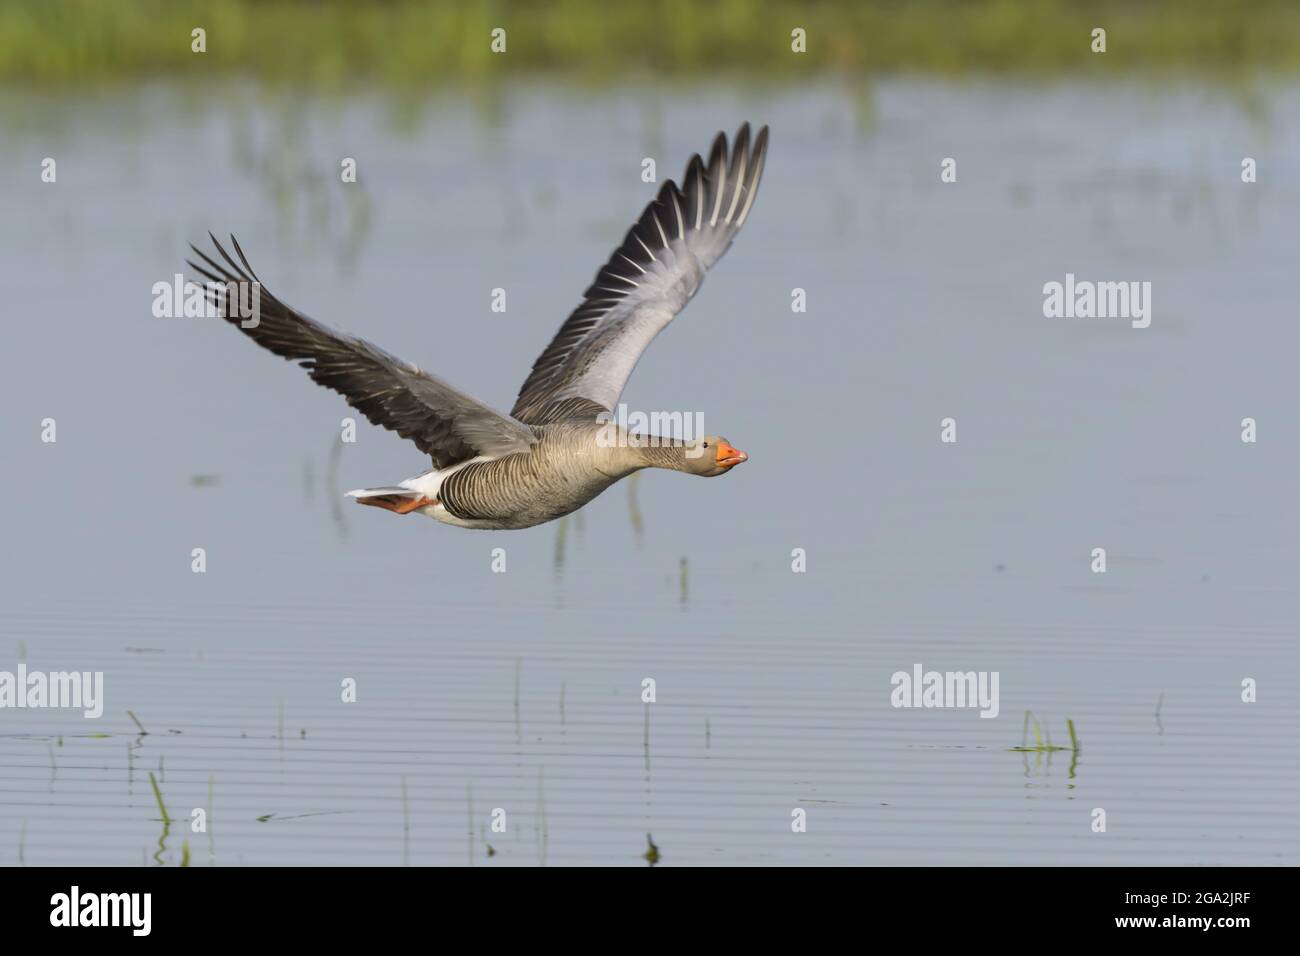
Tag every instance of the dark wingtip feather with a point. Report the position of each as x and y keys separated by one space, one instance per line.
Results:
x=243 y=258
x=718 y=152
x=225 y=255
x=201 y=270
x=739 y=158
x=741 y=142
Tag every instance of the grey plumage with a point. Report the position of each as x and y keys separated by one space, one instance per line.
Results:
x=552 y=454
x=572 y=463
x=647 y=281
x=568 y=469
x=444 y=422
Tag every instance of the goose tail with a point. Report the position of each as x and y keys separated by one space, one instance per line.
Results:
x=392 y=498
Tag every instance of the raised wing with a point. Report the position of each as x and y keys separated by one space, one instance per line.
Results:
x=647 y=281
x=444 y=422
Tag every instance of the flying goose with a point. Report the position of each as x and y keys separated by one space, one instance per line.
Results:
x=559 y=446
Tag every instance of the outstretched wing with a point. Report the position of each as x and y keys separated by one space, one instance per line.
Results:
x=647 y=281
x=444 y=422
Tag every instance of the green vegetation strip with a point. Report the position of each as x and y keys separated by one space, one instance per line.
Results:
x=338 y=43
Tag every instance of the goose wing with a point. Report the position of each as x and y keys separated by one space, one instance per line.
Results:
x=444 y=422
x=647 y=281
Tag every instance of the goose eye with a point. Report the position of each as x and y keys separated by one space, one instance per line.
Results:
x=706 y=444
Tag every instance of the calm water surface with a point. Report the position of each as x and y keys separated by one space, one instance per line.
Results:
x=523 y=690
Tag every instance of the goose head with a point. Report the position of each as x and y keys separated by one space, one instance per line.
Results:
x=712 y=455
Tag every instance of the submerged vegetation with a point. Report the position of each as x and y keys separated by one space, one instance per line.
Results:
x=1042 y=743
x=166 y=820
x=337 y=43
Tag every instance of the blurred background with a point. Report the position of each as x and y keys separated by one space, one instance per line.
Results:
x=523 y=690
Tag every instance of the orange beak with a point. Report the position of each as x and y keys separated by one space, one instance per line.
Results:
x=729 y=456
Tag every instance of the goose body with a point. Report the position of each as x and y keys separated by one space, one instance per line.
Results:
x=565 y=469
x=558 y=448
